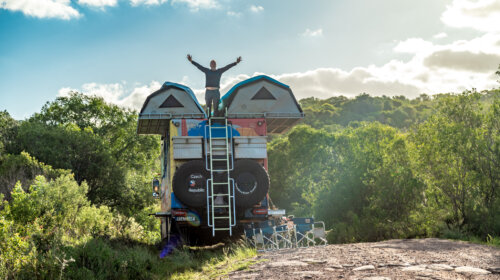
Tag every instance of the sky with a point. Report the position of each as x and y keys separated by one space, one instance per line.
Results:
x=123 y=50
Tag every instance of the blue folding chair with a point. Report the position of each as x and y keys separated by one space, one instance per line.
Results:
x=249 y=231
x=264 y=236
x=303 y=232
x=283 y=236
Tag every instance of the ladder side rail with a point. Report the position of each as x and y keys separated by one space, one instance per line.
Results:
x=209 y=196
x=232 y=197
x=212 y=210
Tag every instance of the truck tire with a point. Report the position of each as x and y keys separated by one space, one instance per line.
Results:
x=251 y=182
x=189 y=183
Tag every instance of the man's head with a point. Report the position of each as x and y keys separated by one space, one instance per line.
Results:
x=213 y=65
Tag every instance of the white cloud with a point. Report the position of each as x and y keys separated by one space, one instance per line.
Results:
x=256 y=9
x=98 y=3
x=195 y=5
x=440 y=35
x=42 y=8
x=234 y=14
x=313 y=33
x=482 y=15
x=146 y=2
x=412 y=45
x=116 y=93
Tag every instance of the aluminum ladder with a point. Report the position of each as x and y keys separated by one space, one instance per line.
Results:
x=219 y=161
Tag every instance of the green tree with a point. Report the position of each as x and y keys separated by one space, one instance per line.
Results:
x=98 y=143
x=456 y=153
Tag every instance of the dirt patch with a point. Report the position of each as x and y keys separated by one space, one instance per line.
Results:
x=393 y=259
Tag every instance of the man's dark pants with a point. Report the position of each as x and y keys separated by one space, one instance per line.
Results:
x=212 y=98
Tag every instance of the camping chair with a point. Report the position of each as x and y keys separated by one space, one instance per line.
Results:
x=264 y=236
x=283 y=237
x=303 y=228
x=320 y=233
x=249 y=234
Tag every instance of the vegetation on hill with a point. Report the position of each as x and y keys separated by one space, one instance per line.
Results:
x=370 y=177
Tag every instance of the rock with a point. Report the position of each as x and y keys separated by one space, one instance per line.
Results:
x=495 y=270
x=398 y=264
x=440 y=266
x=309 y=274
x=347 y=265
x=471 y=270
x=287 y=263
x=364 y=267
x=313 y=261
x=377 y=278
x=246 y=276
x=415 y=268
x=337 y=266
x=330 y=269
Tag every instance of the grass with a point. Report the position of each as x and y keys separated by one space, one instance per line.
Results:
x=234 y=258
x=457 y=235
x=102 y=258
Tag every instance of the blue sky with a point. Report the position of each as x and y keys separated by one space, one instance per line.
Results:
x=123 y=50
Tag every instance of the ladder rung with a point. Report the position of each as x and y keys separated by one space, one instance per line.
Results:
x=218 y=118
x=222 y=206
x=221 y=228
x=220 y=183
x=219 y=149
x=218 y=127
x=220 y=159
x=220 y=170
x=218 y=137
x=220 y=194
x=222 y=217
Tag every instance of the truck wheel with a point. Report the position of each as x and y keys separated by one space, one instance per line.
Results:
x=251 y=182
x=189 y=184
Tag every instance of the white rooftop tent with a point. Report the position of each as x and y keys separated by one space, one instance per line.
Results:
x=264 y=97
x=171 y=101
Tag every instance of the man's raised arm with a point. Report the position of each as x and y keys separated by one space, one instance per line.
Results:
x=227 y=67
x=202 y=69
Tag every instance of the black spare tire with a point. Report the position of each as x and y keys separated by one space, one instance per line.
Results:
x=251 y=182
x=190 y=183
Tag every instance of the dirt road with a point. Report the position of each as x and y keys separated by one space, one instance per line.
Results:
x=394 y=259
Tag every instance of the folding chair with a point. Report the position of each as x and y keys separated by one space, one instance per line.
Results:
x=283 y=237
x=249 y=234
x=303 y=231
x=264 y=236
x=320 y=233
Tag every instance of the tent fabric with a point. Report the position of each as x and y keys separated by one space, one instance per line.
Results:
x=168 y=85
x=227 y=99
x=248 y=81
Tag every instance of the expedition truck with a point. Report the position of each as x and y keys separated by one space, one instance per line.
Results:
x=214 y=175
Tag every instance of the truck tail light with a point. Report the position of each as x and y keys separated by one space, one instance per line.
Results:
x=259 y=211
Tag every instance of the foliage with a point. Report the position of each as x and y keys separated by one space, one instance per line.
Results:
x=456 y=154
x=23 y=168
x=431 y=169
x=98 y=143
x=8 y=127
x=42 y=229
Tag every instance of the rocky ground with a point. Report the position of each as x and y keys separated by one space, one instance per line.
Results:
x=394 y=259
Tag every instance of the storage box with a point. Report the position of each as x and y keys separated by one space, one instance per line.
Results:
x=188 y=147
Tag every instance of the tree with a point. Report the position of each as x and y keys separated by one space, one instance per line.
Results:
x=456 y=153
x=98 y=143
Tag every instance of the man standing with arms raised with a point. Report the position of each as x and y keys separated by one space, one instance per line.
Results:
x=212 y=84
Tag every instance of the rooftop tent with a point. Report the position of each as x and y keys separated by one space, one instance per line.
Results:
x=264 y=97
x=170 y=101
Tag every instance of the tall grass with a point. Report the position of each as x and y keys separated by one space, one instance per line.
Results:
x=112 y=259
